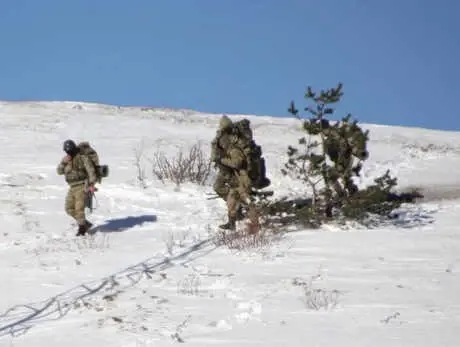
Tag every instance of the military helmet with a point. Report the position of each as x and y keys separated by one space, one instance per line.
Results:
x=225 y=122
x=69 y=147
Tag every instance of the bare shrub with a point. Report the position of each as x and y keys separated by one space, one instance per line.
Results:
x=176 y=336
x=257 y=231
x=190 y=285
x=192 y=166
x=141 y=176
x=253 y=225
x=173 y=239
x=317 y=298
x=93 y=242
x=182 y=237
x=244 y=238
x=169 y=242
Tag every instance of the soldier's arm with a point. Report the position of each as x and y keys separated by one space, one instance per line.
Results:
x=214 y=150
x=234 y=160
x=90 y=170
x=61 y=167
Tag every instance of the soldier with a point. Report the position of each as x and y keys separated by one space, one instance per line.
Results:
x=341 y=147
x=80 y=175
x=239 y=191
x=225 y=175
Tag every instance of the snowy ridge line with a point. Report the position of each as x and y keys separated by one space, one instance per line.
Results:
x=19 y=319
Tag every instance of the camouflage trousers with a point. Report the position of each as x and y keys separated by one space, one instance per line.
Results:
x=75 y=203
x=238 y=196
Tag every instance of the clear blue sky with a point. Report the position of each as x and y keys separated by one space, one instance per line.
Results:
x=399 y=60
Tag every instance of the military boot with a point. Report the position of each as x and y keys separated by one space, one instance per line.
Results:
x=240 y=214
x=230 y=225
x=81 y=230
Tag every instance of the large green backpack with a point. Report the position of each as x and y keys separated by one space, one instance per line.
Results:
x=242 y=129
x=101 y=170
x=255 y=162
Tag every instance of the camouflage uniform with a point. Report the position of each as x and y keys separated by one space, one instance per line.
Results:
x=340 y=152
x=79 y=174
x=240 y=191
x=225 y=176
x=228 y=160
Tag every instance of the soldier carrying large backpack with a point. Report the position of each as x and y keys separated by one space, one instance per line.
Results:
x=225 y=176
x=242 y=167
x=255 y=162
x=82 y=171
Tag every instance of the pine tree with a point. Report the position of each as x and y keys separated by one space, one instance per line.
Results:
x=328 y=159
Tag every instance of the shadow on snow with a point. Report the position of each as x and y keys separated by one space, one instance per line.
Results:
x=121 y=224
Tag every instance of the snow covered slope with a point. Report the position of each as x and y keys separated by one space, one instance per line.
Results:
x=154 y=277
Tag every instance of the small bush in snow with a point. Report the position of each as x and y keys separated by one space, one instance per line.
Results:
x=317 y=298
x=169 y=242
x=94 y=242
x=255 y=233
x=140 y=170
x=172 y=239
x=192 y=166
x=190 y=285
x=241 y=239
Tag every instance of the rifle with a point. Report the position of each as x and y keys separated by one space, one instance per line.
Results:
x=89 y=196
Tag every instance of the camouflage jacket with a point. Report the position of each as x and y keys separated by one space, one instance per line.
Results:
x=234 y=159
x=220 y=141
x=78 y=171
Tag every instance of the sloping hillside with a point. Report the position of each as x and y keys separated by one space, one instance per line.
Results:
x=153 y=275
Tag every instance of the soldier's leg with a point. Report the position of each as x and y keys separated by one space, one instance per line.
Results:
x=70 y=203
x=233 y=204
x=79 y=196
x=83 y=224
x=220 y=186
x=232 y=209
